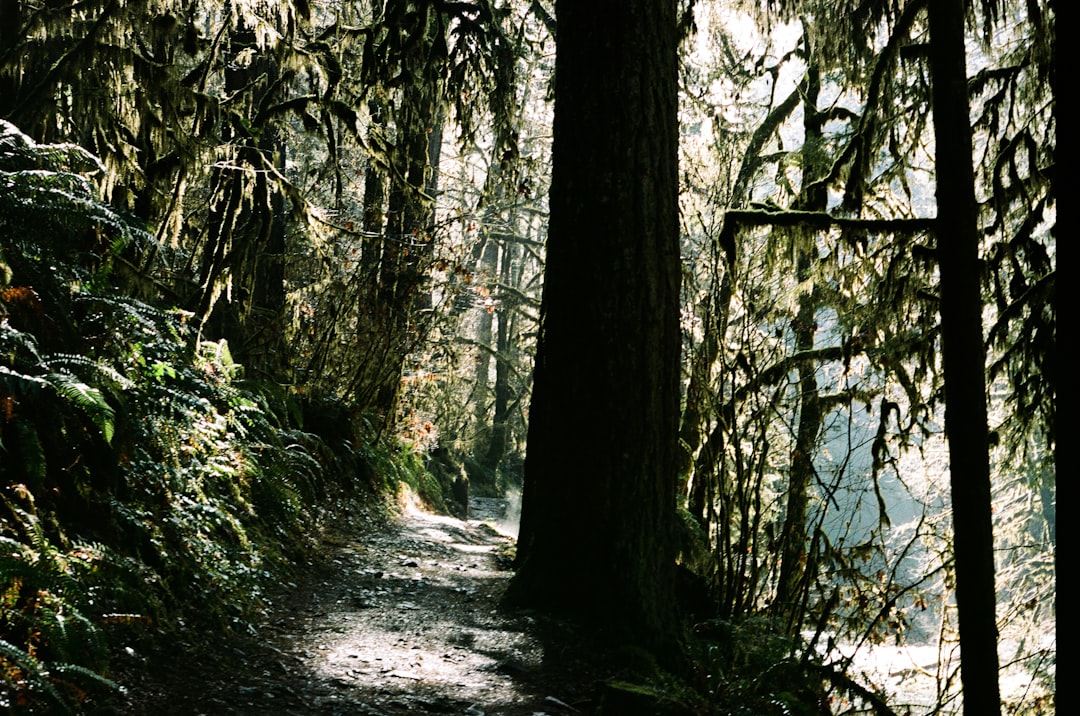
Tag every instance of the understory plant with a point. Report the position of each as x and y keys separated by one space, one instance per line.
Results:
x=145 y=485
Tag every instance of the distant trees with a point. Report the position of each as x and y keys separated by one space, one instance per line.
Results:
x=872 y=338
x=284 y=154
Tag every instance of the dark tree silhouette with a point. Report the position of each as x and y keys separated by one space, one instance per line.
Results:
x=599 y=495
x=964 y=359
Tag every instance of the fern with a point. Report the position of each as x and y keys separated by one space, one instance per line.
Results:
x=83 y=678
x=73 y=362
x=27 y=683
x=198 y=478
x=137 y=320
x=19 y=150
x=18 y=345
x=50 y=688
x=88 y=399
x=21 y=384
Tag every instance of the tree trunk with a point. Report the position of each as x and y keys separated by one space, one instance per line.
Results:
x=407 y=244
x=693 y=483
x=964 y=361
x=500 y=429
x=245 y=246
x=374 y=177
x=487 y=256
x=793 y=578
x=596 y=540
x=793 y=536
x=11 y=33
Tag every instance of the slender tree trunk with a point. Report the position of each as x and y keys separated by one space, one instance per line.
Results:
x=793 y=537
x=374 y=177
x=246 y=243
x=407 y=244
x=488 y=264
x=695 y=484
x=596 y=540
x=264 y=325
x=500 y=417
x=964 y=361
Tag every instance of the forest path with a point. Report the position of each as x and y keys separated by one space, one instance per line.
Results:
x=400 y=620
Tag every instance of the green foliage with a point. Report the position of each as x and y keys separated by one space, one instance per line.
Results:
x=750 y=668
x=814 y=336
x=144 y=485
x=54 y=647
x=411 y=474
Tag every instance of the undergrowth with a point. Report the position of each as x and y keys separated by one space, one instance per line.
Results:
x=146 y=488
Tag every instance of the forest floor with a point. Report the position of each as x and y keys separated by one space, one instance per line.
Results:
x=400 y=618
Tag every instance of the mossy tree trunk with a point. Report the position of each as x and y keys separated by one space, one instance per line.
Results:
x=794 y=577
x=242 y=271
x=596 y=540
x=406 y=242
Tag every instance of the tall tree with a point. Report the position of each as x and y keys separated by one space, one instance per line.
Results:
x=242 y=271
x=596 y=537
x=811 y=411
x=964 y=360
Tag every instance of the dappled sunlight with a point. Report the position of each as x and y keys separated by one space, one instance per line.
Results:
x=393 y=653
x=408 y=621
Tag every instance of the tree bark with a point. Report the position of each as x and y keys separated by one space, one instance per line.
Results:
x=793 y=579
x=964 y=360
x=596 y=540
x=407 y=243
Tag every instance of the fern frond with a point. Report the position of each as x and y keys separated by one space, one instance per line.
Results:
x=13 y=342
x=32 y=677
x=30 y=525
x=23 y=385
x=84 y=678
x=73 y=361
x=15 y=569
x=88 y=399
x=19 y=150
x=65 y=634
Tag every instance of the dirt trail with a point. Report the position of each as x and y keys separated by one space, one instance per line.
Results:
x=403 y=620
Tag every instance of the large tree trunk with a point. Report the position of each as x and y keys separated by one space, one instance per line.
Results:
x=964 y=361
x=596 y=540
